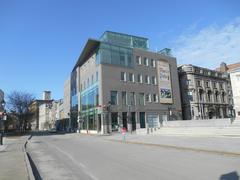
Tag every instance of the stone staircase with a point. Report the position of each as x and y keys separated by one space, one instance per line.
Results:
x=208 y=128
x=236 y=122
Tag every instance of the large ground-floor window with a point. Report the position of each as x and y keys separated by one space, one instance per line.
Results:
x=142 y=119
x=153 y=120
x=114 y=117
x=90 y=120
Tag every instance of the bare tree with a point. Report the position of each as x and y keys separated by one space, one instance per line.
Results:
x=18 y=104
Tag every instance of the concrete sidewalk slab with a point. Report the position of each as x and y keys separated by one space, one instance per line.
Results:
x=12 y=159
x=219 y=145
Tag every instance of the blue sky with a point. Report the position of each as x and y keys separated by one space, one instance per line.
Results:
x=40 y=41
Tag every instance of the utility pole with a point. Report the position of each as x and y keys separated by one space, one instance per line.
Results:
x=109 y=113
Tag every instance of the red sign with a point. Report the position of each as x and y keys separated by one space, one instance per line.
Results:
x=124 y=130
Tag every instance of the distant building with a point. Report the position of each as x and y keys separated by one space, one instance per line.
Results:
x=46 y=95
x=66 y=98
x=118 y=82
x=39 y=110
x=234 y=70
x=205 y=93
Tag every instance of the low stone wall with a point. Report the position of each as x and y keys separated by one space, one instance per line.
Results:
x=199 y=123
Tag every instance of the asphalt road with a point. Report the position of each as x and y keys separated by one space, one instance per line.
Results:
x=95 y=158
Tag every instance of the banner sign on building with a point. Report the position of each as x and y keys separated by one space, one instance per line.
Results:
x=164 y=78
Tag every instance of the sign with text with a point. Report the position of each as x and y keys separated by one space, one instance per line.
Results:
x=164 y=78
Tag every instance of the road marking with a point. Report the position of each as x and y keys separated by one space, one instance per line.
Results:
x=178 y=147
x=79 y=164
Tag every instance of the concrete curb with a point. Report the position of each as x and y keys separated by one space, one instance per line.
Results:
x=28 y=164
x=227 y=153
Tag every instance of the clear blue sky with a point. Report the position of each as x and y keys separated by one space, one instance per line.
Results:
x=40 y=41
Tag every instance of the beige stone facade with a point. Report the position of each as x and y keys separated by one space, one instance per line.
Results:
x=205 y=93
x=66 y=99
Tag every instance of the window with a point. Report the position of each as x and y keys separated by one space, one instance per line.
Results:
x=138 y=60
x=154 y=80
x=132 y=98
x=216 y=96
x=207 y=84
x=155 y=98
x=131 y=77
x=122 y=58
x=188 y=82
x=214 y=84
x=97 y=76
x=88 y=82
x=238 y=77
x=142 y=120
x=123 y=76
x=148 y=97
x=147 y=80
x=190 y=95
x=114 y=120
x=145 y=61
x=221 y=85
x=92 y=79
x=141 y=99
x=124 y=98
x=139 y=78
x=153 y=63
x=84 y=85
x=199 y=83
x=209 y=96
x=201 y=96
x=114 y=97
x=129 y=61
x=223 y=97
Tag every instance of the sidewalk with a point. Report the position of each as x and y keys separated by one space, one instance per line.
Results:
x=216 y=145
x=12 y=159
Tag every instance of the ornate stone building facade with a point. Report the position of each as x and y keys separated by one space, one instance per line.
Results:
x=205 y=93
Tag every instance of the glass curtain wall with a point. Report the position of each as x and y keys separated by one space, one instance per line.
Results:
x=89 y=103
x=116 y=55
x=125 y=40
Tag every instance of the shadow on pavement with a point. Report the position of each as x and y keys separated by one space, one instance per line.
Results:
x=230 y=176
x=34 y=168
x=47 y=133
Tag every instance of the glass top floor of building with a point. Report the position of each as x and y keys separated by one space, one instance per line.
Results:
x=125 y=40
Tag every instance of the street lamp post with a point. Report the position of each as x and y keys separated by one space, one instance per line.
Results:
x=109 y=114
x=169 y=112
